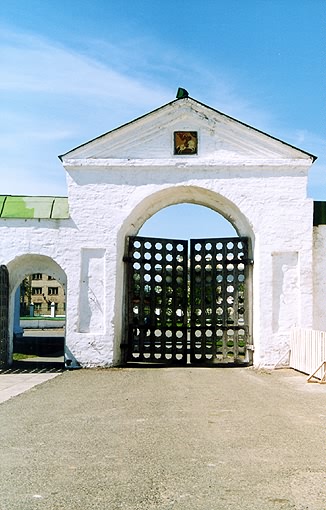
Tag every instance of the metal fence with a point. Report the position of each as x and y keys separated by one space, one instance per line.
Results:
x=308 y=350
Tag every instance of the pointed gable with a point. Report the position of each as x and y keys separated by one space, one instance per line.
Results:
x=220 y=139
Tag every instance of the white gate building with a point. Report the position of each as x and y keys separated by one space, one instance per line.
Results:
x=183 y=152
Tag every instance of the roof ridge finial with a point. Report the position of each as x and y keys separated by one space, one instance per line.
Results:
x=182 y=93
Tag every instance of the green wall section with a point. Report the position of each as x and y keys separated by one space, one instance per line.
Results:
x=33 y=207
x=319 y=213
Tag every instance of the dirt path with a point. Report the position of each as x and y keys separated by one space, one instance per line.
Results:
x=181 y=439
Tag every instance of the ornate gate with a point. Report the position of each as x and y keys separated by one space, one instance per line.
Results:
x=183 y=308
x=4 y=304
x=157 y=300
x=219 y=325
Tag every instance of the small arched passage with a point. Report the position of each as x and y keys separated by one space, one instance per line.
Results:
x=20 y=268
x=154 y=321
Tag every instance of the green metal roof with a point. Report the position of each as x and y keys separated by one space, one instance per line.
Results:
x=55 y=208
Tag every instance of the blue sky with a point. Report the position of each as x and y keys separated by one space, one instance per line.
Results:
x=71 y=71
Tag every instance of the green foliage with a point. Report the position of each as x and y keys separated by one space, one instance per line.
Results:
x=25 y=295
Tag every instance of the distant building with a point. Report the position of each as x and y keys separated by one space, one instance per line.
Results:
x=41 y=290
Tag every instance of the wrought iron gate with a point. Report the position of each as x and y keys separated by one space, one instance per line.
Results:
x=4 y=304
x=157 y=300
x=183 y=308
x=219 y=326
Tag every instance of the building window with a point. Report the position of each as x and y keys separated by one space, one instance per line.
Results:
x=53 y=291
x=37 y=276
x=37 y=307
x=51 y=278
x=36 y=290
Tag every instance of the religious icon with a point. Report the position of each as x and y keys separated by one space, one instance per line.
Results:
x=185 y=142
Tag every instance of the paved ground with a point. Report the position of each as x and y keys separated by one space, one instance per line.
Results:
x=15 y=382
x=173 y=438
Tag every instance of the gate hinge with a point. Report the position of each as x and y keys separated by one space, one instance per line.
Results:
x=250 y=347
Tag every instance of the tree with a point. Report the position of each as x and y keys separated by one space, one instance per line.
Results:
x=25 y=295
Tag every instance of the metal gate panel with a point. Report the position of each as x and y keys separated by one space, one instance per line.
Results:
x=4 y=305
x=219 y=314
x=156 y=300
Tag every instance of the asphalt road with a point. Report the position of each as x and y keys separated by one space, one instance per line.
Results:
x=171 y=438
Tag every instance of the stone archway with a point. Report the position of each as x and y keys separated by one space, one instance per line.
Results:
x=18 y=269
x=159 y=200
x=207 y=197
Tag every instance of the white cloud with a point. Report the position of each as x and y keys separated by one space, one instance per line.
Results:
x=32 y=64
x=55 y=98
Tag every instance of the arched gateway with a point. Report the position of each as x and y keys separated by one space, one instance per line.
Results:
x=188 y=302
x=127 y=296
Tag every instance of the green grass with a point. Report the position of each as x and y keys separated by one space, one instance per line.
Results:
x=41 y=318
x=17 y=356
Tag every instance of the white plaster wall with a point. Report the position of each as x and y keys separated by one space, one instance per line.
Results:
x=319 y=274
x=268 y=205
x=270 y=209
x=56 y=248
